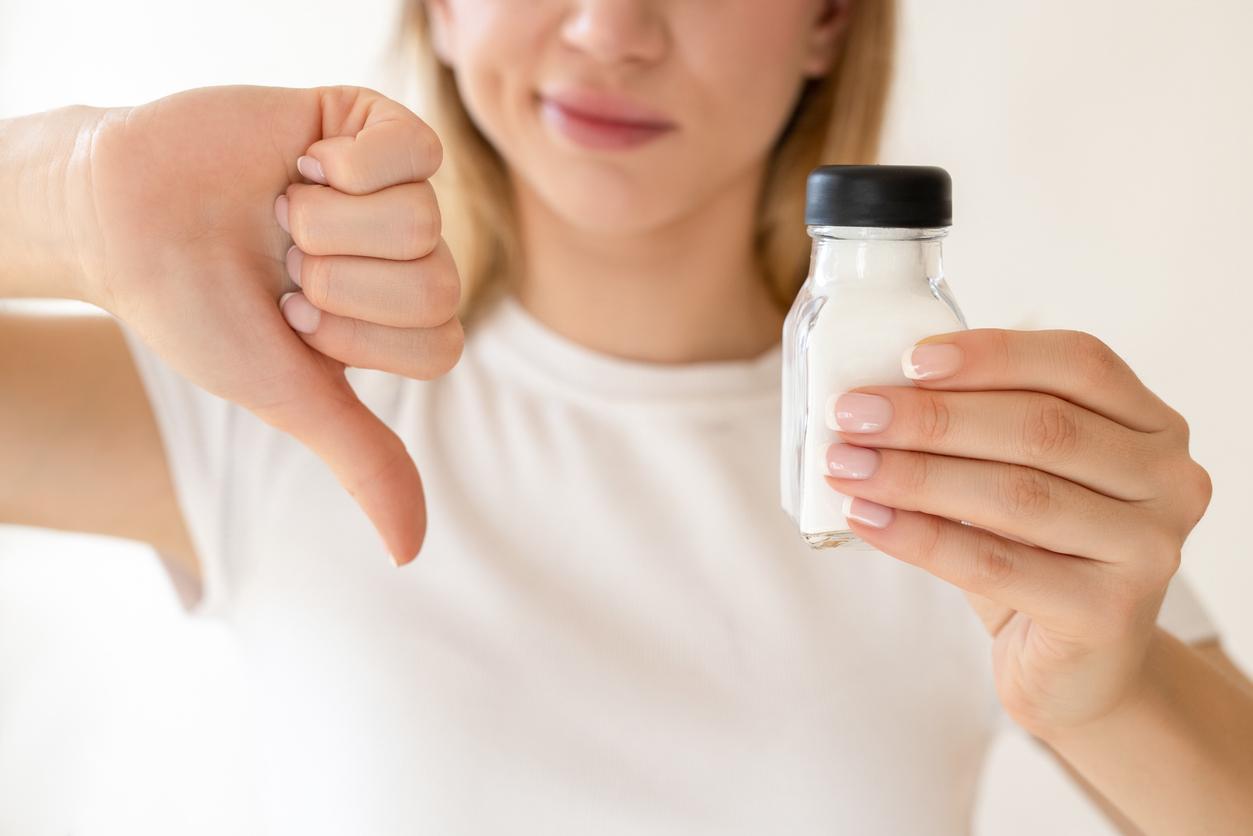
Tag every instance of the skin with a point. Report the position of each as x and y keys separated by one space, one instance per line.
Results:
x=170 y=207
x=1079 y=492
x=1076 y=478
x=1089 y=523
x=666 y=228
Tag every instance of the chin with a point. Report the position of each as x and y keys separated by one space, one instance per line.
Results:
x=610 y=204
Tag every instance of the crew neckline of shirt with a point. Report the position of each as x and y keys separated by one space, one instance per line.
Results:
x=511 y=336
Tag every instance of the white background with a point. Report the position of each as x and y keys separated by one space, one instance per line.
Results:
x=1099 y=154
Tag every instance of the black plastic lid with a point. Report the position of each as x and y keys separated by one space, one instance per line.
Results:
x=879 y=195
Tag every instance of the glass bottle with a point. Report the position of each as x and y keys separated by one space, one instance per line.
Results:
x=875 y=287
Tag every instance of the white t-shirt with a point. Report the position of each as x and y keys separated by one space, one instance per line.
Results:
x=612 y=627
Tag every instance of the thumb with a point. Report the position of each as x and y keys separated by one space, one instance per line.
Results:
x=371 y=142
x=315 y=404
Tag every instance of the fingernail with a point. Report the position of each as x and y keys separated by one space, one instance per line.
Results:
x=870 y=513
x=299 y=312
x=846 y=461
x=311 y=169
x=280 y=212
x=930 y=361
x=855 y=412
x=295 y=258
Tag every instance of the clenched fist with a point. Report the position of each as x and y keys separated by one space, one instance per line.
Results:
x=209 y=206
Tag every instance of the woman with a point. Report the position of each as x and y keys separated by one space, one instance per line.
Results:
x=611 y=626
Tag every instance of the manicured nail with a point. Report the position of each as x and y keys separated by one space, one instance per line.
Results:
x=930 y=361
x=295 y=258
x=870 y=513
x=299 y=312
x=311 y=169
x=854 y=412
x=280 y=212
x=845 y=461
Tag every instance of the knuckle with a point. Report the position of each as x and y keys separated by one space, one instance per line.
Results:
x=1204 y=483
x=452 y=343
x=1179 y=425
x=916 y=475
x=393 y=454
x=1051 y=430
x=355 y=180
x=432 y=290
x=442 y=349
x=453 y=293
x=1000 y=350
x=426 y=151
x=931 y=539
x=1200 y=492
x=991 y=563
x=439 y=293
x=299 y=219
x=358 y=338
x=421 y=224
x=933 y=419
x=434 y=217
x=317 y=274
x=311 y=216
x=1094 y=361
x=1185 y=485
x=1026 y=492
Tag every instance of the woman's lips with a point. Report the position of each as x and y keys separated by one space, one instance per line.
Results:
x=601 y=122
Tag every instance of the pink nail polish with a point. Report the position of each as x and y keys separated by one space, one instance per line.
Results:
x=299 y=312
x=931 y=361
x=869 y=513
x=855 y=412
x=280 y=212
x=295 y=258
x=310 y=169
x=845 y=461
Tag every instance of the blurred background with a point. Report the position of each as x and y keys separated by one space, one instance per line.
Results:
x=1099 y=153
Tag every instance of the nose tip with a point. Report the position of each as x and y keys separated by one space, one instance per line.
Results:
x=616 y=31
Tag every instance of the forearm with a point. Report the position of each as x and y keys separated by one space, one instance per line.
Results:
x=1178 y=759
x=44 y=191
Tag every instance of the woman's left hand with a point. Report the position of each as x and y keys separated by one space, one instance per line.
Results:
x=1078 y=489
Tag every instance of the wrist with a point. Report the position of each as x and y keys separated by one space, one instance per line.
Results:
x=1140 y=700
x=48 y=228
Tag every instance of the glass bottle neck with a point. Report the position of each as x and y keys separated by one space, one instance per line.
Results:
x=875 y=256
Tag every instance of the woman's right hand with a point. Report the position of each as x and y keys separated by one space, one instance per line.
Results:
x=184 y=238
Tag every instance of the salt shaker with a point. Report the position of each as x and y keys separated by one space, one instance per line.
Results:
x=875 y=287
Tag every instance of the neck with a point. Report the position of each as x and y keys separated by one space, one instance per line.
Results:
x=684 y=292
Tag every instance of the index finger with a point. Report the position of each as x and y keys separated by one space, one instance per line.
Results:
x=371 y=142
x=1072 y=365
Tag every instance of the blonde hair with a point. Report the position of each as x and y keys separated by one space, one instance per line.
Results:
x=838 y=118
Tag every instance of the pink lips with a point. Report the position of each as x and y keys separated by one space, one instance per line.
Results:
x=601 y=121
